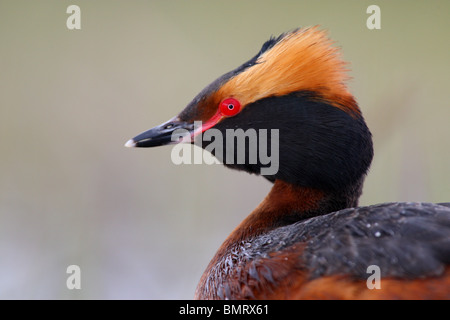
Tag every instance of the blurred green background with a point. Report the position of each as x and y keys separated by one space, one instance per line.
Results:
x=136 y=224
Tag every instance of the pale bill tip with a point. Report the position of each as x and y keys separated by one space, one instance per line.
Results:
x=130 y=143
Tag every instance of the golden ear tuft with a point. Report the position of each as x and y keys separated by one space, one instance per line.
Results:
x=301 y=60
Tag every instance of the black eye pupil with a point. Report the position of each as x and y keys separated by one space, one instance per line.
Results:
x=230 y=107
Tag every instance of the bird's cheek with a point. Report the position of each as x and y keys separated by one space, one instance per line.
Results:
x=203 y=126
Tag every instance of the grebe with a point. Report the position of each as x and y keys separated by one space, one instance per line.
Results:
x=308 y=239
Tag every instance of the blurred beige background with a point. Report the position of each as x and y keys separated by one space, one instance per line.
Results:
x=136 y=224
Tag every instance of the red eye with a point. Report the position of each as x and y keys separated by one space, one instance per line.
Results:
x=230 y=107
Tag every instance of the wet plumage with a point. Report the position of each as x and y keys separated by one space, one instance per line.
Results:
x=405 y=240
